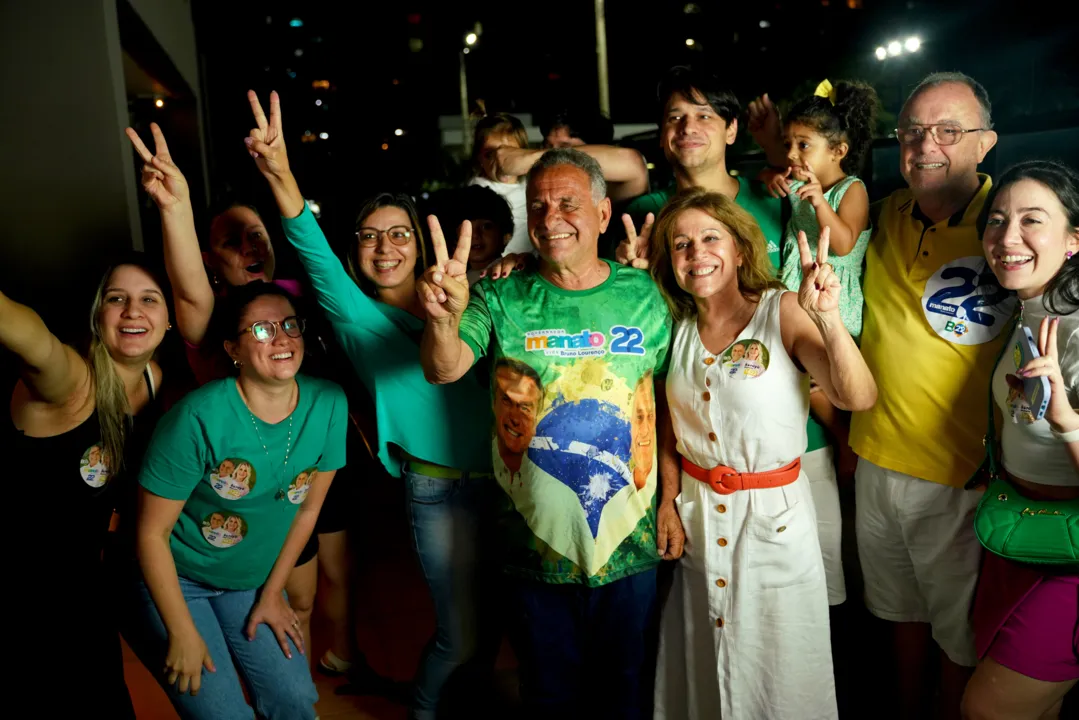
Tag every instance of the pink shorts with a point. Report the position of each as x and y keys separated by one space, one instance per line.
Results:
x=1028 y=621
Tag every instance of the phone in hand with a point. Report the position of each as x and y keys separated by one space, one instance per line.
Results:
x=1036 y=390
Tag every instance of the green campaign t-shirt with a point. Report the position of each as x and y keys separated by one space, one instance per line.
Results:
x=574 y=442
x=752 y=197
x=240 y=495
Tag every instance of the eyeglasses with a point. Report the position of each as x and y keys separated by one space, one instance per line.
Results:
x=266 y=330
x=943 y=133
x=399 y=235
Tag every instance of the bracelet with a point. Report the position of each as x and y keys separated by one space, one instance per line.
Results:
x=1066 y=437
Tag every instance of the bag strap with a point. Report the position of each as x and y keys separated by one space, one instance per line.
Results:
x=990 y=439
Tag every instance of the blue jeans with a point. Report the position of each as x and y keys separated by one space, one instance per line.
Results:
x=446 y=518
x=584 y=651
x=279 y=687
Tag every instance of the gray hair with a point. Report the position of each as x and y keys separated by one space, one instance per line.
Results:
x=576 y=158
x=947 y=78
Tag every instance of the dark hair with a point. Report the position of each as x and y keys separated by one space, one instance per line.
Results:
x=496 y=124
x=235 y=304
x=1062 y=294
x=477 y=201
x=220 y=207
x=947 y=78
x=593 y=129
x=372 y=204
x=851 y=120
x=698 y=87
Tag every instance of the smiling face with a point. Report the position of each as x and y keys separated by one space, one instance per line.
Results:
x=805 y=146
x=216 y=521
x=274 y=361
x=643 y=431
x=242 y=473
x=94 y=456
x=225 y=468
x=388 y=265
x=564 y=222
x=232 y=525
x=738 y=351
x=928 y=167
x=694 y=136
x=132 y=316
x=1027 y=237
x=516 y=407
x=754 y=352
x=704 y=254
x=240 y=250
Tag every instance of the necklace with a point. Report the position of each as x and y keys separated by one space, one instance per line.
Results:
x=288 y=448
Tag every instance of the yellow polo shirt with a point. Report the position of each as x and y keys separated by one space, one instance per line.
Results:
x=934 y=316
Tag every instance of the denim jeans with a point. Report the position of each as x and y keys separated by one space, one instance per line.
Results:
x=280 y=688
x=584 y=652
x=446 y=518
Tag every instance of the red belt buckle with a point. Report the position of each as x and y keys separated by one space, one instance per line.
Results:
x=724 y=482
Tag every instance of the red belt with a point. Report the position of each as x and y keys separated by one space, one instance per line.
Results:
x=725 y=480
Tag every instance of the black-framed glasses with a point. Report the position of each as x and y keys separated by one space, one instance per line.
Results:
x=943 y=133
x=399 y=235
x=266 y=330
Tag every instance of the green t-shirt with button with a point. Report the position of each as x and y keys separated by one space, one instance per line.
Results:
x=240 y=493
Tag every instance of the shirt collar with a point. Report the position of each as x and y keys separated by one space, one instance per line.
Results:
x=964 y=216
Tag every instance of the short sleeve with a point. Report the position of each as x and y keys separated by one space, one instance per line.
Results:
x=333 y=454
x=476 y=325
x=175 y=460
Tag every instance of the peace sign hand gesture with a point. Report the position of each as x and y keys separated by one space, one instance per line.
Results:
x=819 y=294
x=443 y=289
x=266 y=143
x=1059 y=414
x=161 y=179
x=636 y=249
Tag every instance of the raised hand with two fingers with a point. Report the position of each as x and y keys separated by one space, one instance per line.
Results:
x=266 y=142
x=443 y=289
x=820 y=290
x=1060 y=415
x=161 y=179
x=636 y=249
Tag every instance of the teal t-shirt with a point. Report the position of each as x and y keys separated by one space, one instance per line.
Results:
x=447 y=425
x=752 y=197
x=574 y=442
x=240 y=496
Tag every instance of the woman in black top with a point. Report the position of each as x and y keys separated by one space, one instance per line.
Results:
x=71 y=436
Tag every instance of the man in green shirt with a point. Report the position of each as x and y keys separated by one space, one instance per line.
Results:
x=574 y=349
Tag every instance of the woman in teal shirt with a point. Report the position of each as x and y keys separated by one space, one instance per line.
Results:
x=438 y=437
x=232 y=484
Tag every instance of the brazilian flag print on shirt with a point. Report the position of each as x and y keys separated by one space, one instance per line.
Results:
x=574 y=441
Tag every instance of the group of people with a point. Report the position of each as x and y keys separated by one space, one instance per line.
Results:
x=566 y=414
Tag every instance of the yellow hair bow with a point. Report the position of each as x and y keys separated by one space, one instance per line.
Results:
x=825 y=90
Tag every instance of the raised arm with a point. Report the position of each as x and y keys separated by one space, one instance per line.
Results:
x=623 y=168
x=814 y=334
x=51 y=370
x=766 y=129
x=338 y=295
x=444 y=292
x=191 y=292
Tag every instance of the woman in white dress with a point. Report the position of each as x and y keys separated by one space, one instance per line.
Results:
x=744 y=633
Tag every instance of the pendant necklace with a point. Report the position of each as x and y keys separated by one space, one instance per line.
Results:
x=280 y=494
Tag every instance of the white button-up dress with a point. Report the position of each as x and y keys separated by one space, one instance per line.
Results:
x=744 y=632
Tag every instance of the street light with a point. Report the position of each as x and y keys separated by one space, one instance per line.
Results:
x=881 y=53
x=912 y=44
x=159 y=103
x=471 y=38
x=894 y=48
x=690 y=42
x=398 y=132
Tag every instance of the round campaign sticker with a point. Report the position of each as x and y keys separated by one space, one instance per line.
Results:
x=964 y=304
x=94 y=466
x=297 y=489
x=746 y=359
x=223 y=529
x=233 y=478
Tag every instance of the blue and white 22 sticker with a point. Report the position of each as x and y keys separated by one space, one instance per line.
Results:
x=964 y=304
